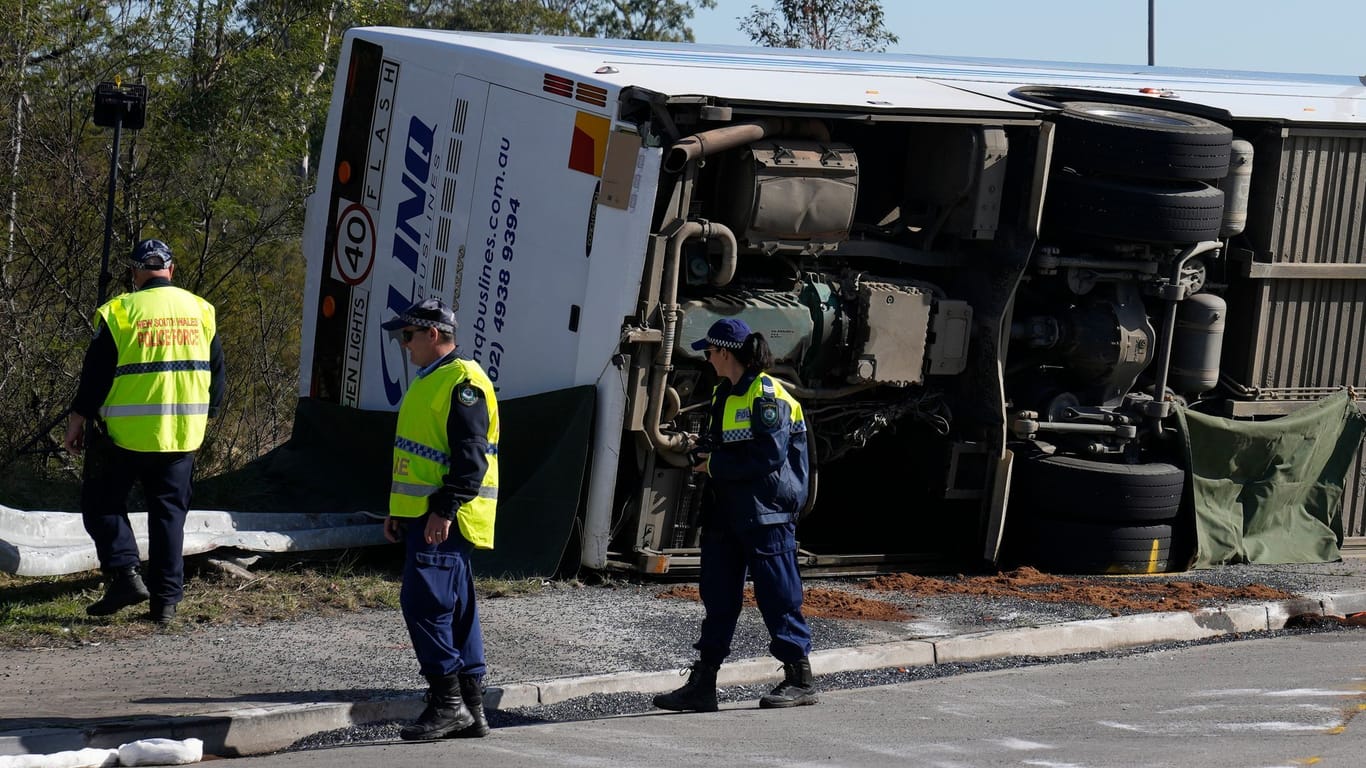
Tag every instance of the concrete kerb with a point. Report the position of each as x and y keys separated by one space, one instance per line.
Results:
x=1044 y=640
x=264 y=729
x=1342 y=604
x=242 y=731
x=1100 y=634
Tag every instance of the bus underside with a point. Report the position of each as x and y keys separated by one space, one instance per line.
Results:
x=978 y=315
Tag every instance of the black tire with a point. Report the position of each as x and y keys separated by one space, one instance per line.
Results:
x=1085 y=490
x=1067 y=546
x=1139 y=142
x=1151 y=212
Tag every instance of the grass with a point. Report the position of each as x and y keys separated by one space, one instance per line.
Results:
x=46 y=612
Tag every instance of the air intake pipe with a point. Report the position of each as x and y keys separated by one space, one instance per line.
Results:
x=673 y=446
x=716 y=140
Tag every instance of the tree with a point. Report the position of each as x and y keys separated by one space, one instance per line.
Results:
x=845 y=25
x=45 y=46
x=216 y=171
x=532 y=17
x=629 y=19
x=238 y=92
x=663 y=20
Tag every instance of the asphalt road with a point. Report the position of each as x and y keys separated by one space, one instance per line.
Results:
x=1283 y=701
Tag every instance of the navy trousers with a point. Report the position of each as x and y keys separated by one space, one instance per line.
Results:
x=769 y=554
x=109 y=474
x=438 y=603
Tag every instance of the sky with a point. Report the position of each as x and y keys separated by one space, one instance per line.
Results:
x=1314 y=36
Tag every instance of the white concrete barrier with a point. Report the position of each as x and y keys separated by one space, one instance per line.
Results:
x=55 y=543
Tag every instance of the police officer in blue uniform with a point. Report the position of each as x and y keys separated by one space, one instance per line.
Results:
x=152 y=378
x=754 y=452
x=442 y=503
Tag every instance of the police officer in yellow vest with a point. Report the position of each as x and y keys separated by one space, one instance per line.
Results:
x=754 y=452
x=152 y=377
x=442 y=504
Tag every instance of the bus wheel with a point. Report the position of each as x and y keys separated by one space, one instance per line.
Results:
x=1140 y=142
x=1068 y=546
x=1149 y=212
x=1075 y=488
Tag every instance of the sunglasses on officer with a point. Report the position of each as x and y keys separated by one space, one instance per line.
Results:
x=407 y=333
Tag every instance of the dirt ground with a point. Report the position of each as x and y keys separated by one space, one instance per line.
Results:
x=1118 y=596
x=818 y=602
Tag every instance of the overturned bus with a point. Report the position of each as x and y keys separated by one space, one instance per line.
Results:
x=996 y=287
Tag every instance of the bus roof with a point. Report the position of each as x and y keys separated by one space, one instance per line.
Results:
x=902 y=82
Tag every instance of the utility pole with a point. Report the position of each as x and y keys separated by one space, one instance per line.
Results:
x=1152 y=32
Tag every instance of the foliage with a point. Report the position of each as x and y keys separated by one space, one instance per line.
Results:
x=629 y=19
x=664 y=20
x=218 y=171
x=845 y=25
x=521 y=16
x=238 y=92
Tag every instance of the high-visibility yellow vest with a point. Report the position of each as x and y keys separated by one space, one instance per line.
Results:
x=736 y=418
x=159 y=401
x=763 y=408
x=422 y=448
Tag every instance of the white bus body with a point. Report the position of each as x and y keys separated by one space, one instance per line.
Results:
x=966 y=268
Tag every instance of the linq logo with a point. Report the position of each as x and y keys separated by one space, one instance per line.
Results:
x=417 y=167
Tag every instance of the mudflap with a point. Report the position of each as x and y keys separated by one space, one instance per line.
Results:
x=994 y=532
x=542 y=463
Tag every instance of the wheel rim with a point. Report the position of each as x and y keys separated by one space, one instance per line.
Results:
x=1137 y=118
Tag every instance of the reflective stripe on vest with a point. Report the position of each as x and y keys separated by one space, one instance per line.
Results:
x=166 y=366
x=423 y=491
x=422 y=450
x=425 y=451
x=159 y=399
x=735 y=418
x=155 y=410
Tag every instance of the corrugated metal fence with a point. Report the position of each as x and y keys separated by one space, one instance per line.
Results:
x=1297 y=301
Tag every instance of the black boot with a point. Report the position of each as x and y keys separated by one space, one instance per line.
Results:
x=445 y=713
x=796 y=689
x=125 y=588
x=697 y=695
x=161 y=613
x=472 y=692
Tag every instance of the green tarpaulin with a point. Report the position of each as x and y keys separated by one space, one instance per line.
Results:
x=1271 y=491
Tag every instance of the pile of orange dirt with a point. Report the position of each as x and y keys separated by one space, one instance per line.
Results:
x=1118 y=596
x=821 y=603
